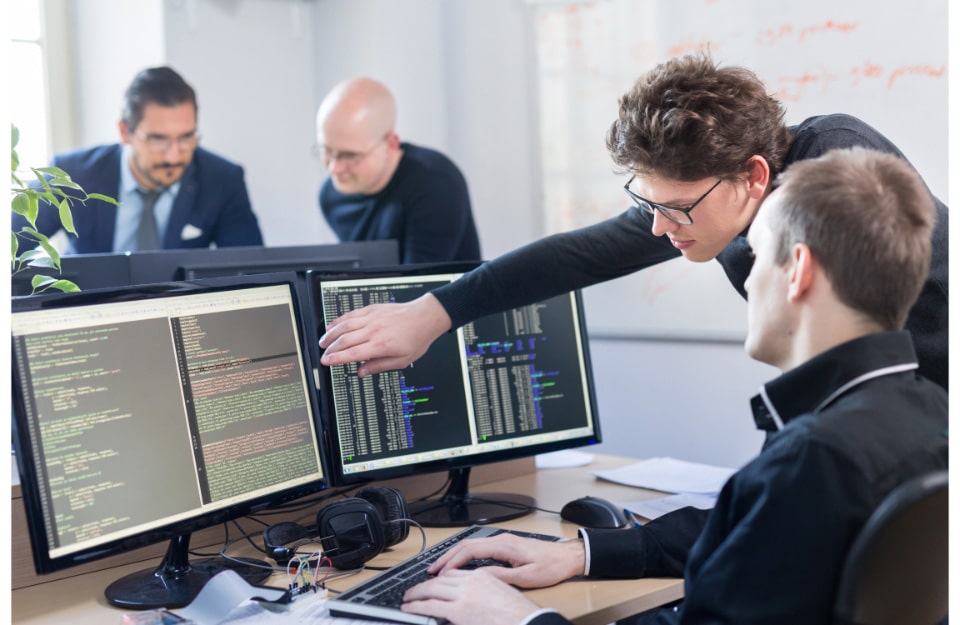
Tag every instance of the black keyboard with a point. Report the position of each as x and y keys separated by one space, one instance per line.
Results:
x=380 y=597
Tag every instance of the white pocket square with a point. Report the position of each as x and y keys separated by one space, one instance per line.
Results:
x=190 y=232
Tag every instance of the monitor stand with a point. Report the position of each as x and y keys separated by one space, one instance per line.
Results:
x=177 y=581
x=458 y=507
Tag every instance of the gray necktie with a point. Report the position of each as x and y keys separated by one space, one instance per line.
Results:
x=147 y=235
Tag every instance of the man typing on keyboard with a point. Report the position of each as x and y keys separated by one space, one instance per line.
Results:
x=841 y=250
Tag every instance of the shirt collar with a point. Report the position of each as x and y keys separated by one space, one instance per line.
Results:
x=812 y=386
x=128 y=183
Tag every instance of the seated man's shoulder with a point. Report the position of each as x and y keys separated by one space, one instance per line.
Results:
x=211 y=161
x=84 y=158
x=428 y=157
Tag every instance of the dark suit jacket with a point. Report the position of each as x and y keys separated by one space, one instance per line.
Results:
x=212 y=198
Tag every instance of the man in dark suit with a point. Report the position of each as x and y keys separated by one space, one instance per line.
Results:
x=171 y=193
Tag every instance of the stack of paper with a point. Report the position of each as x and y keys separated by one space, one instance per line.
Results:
x=695 y=484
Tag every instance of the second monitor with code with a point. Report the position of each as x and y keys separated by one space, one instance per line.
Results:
x=505 y=386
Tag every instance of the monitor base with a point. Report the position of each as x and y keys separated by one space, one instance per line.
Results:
x=177 y=581
x=471 y=510
x=459 y=508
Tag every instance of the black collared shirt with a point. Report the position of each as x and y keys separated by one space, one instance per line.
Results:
x=856 y=422
x=626 y=243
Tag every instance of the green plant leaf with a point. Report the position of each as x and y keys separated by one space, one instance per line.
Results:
x=20 y=204
x=47 y=196
x=33 y=207
x=45 y=283
x=65 y=182
x=42 y=180
x=105 y=198
x=55 y=172
x=51 y=252
x=66 y=286
x=31 y=234
x=39 y=281
x=36 y=258
x=66 y=217
x=57 y=189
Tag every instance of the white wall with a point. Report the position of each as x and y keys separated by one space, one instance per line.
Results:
x=685 y=400
x=113 y=40
x=252 y=63
x=461 y=74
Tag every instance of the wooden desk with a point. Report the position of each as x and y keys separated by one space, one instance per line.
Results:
x=79 y=600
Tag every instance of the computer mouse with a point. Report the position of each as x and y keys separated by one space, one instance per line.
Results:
x=593 y=512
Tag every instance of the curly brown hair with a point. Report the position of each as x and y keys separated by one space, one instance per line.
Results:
x=689 y=119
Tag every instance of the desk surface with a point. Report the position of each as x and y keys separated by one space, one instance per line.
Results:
x=79 y=600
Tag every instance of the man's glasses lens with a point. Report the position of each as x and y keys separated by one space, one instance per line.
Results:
x=676 y=215
x=160 y=143
x=347 y=158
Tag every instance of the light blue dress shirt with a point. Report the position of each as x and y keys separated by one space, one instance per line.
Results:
x=131 y=203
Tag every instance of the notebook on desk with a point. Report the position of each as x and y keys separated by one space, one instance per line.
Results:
x=380 y=597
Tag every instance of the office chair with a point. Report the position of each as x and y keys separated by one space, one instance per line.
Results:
x=896 y=571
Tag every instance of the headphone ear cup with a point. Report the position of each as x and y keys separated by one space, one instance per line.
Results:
x=276 y=537
x=392 y=507
x=351 y=532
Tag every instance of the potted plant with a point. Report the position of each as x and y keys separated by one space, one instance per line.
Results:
x=54 y=188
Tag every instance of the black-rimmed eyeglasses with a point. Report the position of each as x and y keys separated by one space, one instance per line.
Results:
x=676 y=215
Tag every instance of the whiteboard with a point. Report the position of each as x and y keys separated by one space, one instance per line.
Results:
x=885 y=63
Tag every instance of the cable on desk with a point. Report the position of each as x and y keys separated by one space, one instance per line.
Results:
x=423 y=543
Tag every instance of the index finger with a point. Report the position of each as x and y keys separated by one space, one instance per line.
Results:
x=341 y=325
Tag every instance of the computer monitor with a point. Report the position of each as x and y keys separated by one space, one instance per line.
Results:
x=87 y=271
x=505 y=386
x=143 y=414
x=188 y=264
x=97 y=271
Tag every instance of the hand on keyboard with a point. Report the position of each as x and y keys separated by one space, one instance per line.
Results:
x=469 y=598
x=530 y=563
x=381 y=597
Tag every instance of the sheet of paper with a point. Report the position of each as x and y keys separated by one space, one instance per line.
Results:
x=670 y=475
x=227 y=600
x=221 y=595
x=563 y=459
x=652 y=508
x=309 y=609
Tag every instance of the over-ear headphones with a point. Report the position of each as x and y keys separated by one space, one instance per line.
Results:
x=351 y=530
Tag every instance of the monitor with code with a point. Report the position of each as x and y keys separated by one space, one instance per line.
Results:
x=143 y=414
x=509 y=385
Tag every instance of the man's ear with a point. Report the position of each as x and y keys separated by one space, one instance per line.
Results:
x=802 y=270
x=124 y=132
x=758 y=176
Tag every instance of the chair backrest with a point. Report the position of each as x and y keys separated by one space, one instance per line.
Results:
x=896 y=571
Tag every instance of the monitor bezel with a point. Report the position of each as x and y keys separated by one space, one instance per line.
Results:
x=29 y=480
x=180 y=264
x=337 y=475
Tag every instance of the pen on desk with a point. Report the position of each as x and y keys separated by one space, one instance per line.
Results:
x=631 y=518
